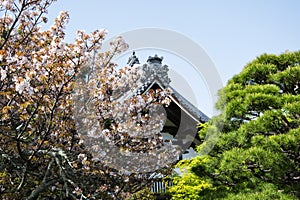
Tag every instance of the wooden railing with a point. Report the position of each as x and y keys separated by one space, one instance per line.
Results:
x=160 y=186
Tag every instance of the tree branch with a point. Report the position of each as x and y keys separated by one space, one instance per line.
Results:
x=42 y=187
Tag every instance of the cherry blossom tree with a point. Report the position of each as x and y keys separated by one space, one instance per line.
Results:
x=57 y=99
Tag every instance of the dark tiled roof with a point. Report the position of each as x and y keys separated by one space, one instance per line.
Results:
x=183 y=102
x=156 y=72
x=193 y=110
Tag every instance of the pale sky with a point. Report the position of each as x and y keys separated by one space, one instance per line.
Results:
x=232 y=32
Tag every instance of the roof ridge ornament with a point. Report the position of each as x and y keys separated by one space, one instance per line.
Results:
x=133 y=59
x=155 y=59
x=155 y=70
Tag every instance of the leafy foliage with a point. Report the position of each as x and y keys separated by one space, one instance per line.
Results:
x=257 y=155
x=189 y=185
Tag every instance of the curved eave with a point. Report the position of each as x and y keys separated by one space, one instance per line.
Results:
x=181 y=102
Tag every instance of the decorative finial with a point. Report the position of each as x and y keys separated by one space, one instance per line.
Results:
x=155 y=59
x=133 y=60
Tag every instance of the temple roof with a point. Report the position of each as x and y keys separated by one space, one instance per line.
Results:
x=182 y=115
x=157 y=73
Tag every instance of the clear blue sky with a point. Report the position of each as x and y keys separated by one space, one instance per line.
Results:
x=232 y=32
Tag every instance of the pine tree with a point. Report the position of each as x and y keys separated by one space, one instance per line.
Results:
x=257 y=155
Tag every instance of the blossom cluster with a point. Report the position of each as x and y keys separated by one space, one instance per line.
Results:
x=120 y=127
